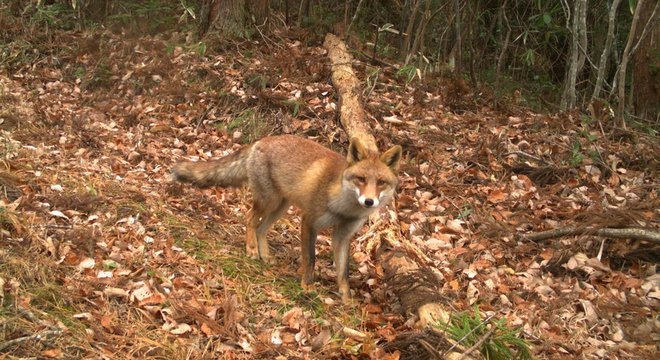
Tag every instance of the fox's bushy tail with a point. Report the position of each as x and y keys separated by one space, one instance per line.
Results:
x=229 y=171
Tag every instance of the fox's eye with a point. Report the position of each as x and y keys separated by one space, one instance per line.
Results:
x=361 y=179
x=380 y=182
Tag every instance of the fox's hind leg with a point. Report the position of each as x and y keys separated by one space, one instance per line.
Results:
x=260 y=218
x=266 y=221
x=269 y=204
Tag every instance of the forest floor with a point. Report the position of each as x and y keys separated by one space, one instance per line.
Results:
x=102 y=256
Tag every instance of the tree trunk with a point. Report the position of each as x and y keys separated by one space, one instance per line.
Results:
x=260 y=9
x=621 y=81
x=568 y=96
x=646 y=61
x=228 y=17
x=602 y=64
x=231 y=17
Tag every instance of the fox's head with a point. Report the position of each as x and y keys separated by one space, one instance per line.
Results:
x=371 y=175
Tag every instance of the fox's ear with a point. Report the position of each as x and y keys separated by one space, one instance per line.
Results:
x=391 y=157
x=356 y=151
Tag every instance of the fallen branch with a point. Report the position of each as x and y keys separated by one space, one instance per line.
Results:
x=619 y=233
x=43 y=335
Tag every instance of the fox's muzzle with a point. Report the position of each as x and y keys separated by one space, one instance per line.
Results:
x=367 y=201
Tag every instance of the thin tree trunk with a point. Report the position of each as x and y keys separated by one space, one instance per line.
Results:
x=405 y=46
x=602 y=64
x=300 y=12
x=473 y=51
x=624 y=65
x=421 y=27
x=505 y=46
x=418 y=44
x=582 y=34
x=458 y=54
x=357 y=10
x=568 y=96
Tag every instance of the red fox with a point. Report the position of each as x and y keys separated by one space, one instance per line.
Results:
x=329 y=190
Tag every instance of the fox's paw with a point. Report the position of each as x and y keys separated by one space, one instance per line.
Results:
x=348 y=300
x=267 y=259
x=311 y=287
x=252 y=252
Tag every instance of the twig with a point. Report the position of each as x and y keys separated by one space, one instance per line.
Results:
x=30 y=316
x=486 y=320
x=618 y=233
x=479 y=343
x=431 y=349
x=600 y=251
x=203 y=115
x=529 y=156
x=43 y=335
x=266 y=39
x=568 y=348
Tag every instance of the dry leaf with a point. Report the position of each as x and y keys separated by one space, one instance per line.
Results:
x=322 y=338
x=181 y=329
x=112 y=292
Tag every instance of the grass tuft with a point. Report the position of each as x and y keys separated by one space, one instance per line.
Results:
x=502 y=343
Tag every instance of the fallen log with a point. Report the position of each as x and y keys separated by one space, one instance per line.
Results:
x=351 y=114
x=417 y=289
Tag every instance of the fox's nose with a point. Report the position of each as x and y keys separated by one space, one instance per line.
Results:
x=369 y=202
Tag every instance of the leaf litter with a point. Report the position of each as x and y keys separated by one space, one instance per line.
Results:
x=100 y=245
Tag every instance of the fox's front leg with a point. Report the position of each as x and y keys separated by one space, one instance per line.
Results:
x=308 y=239
x=341 y=246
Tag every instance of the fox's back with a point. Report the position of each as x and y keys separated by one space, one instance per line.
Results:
x=300 y=170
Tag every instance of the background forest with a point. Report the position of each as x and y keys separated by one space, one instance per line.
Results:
x=527 y=215
x=558 y=54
